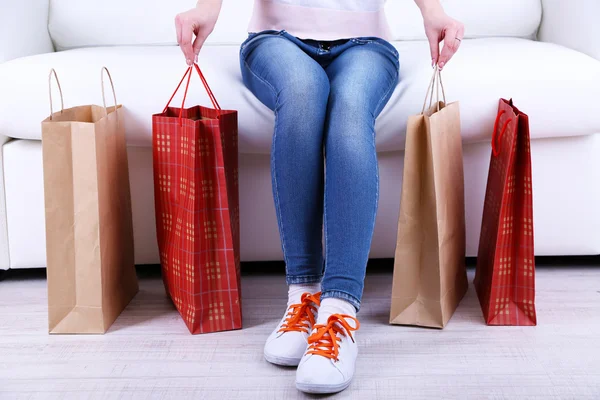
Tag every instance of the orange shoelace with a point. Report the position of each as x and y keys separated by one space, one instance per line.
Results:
x=324 y=342
x=301 y=317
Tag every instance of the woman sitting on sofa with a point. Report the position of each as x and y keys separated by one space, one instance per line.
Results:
x=326 y=70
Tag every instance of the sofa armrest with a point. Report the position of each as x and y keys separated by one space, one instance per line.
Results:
x=572 y=24
x=24 y=29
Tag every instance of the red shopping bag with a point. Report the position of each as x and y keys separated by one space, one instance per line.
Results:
x=505 y=276
x=195 y=158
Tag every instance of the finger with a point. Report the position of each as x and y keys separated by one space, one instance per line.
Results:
x=461 y=33
x=450 y=46
x=434 y=47
x=198 y=43
x=185 y=43
x=178 y=28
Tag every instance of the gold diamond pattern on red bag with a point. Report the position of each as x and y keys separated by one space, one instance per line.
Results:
x=197 y=211
x=505 y=276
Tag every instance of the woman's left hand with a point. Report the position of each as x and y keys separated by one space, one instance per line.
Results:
x=439 y=26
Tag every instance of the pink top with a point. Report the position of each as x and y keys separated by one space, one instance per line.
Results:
x=322 y=19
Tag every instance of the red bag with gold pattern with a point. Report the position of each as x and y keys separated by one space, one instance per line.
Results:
x=195 y=160
x=505 y=276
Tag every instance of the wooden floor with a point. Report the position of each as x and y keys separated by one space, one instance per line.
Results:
x=149 y=354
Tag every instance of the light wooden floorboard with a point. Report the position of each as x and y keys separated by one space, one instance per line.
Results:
x=149 y=354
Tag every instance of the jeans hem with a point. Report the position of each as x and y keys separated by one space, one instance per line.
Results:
x=337 y=294
x=303 y=279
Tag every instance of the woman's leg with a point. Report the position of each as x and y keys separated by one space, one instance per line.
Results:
x=362 y=80
x=296 y=88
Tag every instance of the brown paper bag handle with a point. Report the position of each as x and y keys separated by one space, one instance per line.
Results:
x=112 y=87
x=434 y=85
x=62 y=103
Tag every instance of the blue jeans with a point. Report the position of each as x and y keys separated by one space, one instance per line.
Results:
x=326 y=97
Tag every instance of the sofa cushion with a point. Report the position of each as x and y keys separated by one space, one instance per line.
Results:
x=76 y=23
x=556 y=86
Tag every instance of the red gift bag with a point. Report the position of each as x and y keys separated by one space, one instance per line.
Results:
x=505 y=276
x=195 y=159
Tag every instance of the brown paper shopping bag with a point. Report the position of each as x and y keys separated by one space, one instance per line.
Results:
x=89 y=229
x=429 y=269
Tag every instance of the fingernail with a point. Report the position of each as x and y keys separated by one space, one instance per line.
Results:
x=196 y=58
x=189 y=62
x=441 y=65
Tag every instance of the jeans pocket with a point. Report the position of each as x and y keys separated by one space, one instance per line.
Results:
x=255 y=35
x=362 y=40
x=378 y=41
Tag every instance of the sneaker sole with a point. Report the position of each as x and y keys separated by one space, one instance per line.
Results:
x=282 y=361
x=322 y=389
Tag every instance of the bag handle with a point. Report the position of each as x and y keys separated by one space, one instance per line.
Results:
x=497 y=138
x=434 y=85
x=112 y=87
x=188 y=74
x=213 y=99
x=62 y=103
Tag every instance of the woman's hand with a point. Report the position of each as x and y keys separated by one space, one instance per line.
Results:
x=439 y=26
x=194 y=26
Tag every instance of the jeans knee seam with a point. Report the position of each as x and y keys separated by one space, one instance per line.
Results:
x=376 y=190
x=277 y=205
x=386 y=94
x=325 y=220
x=391 y=88
x=276 y=188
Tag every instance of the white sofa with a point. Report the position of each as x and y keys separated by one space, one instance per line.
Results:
x=543 y=53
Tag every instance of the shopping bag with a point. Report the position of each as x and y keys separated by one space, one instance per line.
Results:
x=89 y=228
x=429 y=268
x=505 y=275
x=197 y=211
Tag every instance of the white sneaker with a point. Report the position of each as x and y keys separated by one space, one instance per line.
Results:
x=329 y=362
x=287 y=344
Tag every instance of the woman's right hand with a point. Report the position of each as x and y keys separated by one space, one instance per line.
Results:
x=194 y=26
